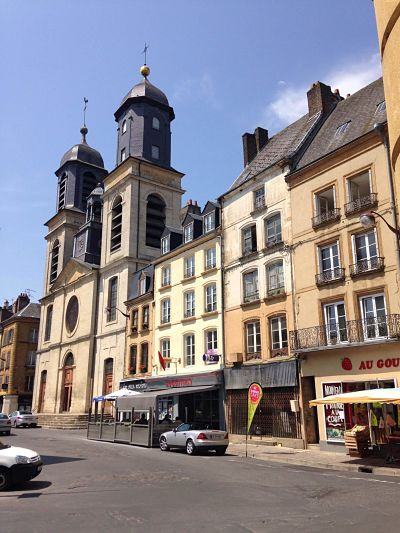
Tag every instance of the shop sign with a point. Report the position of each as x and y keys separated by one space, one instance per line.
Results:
x=136 y=385
x=211 y=357
x=178 y=383
x=334 y=413
x=369 y=364
x=254 y=397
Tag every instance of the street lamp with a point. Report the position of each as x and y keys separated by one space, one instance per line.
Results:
x=108 y=309
x=368 y=220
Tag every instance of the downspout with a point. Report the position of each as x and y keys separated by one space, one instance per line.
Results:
x=222 y=257
x=94 y=348
x=380 y=128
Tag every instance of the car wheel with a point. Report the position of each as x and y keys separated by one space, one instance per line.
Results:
x=8 y=433
x=5 y=478
x=33 y=425
x=190 y=447
x=220 y=450
x=163 y=444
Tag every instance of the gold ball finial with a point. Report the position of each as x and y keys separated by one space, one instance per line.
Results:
x=144 y=71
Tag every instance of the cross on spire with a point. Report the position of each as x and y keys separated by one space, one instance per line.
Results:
x=85 y=101
x=145 y=52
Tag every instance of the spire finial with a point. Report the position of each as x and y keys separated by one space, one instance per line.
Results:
x=85 y=101
x=144 y=70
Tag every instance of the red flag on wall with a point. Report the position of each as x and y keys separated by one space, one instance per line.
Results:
x=161 y=359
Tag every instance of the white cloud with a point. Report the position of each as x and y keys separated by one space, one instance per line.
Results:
x=290 y=102
x=202 y=88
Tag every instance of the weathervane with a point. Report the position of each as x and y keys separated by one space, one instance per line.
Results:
x=85 y=100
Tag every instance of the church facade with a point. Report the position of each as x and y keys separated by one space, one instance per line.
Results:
x=106 y=227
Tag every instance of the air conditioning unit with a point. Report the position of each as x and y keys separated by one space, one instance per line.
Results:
x=236 y=357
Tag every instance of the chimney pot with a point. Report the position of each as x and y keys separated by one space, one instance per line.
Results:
x=261 y=137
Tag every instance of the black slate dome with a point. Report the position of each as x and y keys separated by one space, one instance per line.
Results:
x=83 y=152
x=147 y=89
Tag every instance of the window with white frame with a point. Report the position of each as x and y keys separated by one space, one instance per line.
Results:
x=335 y=322
x=188 y=232
x=359 y=186
x=279 y=337
x=155 y=151
x=211 y=258
x=373 y=312
x=143 y=284
x=31 y=358
x=250 y=286
x=166 y=351
x=365 y=250
x=329 y=261
x=249 y=239
x=209 y=222
x=165 y=244
x=259 y=198
x=211 y=340
x=166 y=276
x=253 y=339
x=325 y=203
x=273 y=230
x=211 y=298
x=189 y=303
x=166 y=311
x=189 y=267
x=275 y=278
x=145 y=317
x=135 y=319
x=190 y=350
x=155 y=124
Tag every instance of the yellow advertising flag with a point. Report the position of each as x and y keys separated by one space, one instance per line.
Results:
x=254 y=397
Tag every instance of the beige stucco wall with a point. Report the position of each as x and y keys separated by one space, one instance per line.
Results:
x=238 y=213
x=388 y=23
x=179 y=327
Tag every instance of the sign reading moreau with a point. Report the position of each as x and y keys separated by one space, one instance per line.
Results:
x=334 y=413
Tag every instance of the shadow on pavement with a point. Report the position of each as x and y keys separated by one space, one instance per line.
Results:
x=28 y=486
x=55 y=459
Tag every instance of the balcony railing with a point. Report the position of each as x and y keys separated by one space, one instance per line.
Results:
x=375 y=264
x=251 y=297
x=346 y=332
x=252 y=355
x=370 y=200
x=325 y=218
x=330 y=276
x=276 y=293
x=280 y=352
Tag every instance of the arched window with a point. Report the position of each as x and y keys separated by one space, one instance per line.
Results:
x=54 y=262
x=116 y=224
x=155 y=220
x=123 y=129
x=112 y=299
x=62 y=191
x=69 y=360
x=275 y=278
x=49 y=318
x=89 y=183
x=156 y=124
x=273 y=230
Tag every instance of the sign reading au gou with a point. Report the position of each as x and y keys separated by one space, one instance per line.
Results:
x=369 y=364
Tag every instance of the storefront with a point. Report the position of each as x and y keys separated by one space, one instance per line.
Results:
x=350 y=371
x=278 y=413
x=194 y=398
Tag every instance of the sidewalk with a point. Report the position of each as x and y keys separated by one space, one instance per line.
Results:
x=315 y=459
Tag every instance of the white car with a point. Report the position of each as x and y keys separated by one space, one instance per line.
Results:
x=23 y=418
x=17 y=465
x=192 y=439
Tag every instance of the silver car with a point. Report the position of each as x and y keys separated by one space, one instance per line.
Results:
x=5 y=424
x=191 y=438
x=23 y=418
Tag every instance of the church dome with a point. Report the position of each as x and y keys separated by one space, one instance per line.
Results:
x=83 y=152
x=147 y=89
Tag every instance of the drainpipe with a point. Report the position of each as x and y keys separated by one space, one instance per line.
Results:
x=94 y=348
x=222 y=257
x=380 y=128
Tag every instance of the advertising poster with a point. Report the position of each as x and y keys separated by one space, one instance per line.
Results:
x=254 y=397
x=334 y=413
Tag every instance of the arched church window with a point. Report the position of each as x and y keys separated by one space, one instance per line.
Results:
x=116 y=224
x=155 y=220
x=49 y=319
x=62 y=191
x=89 y=183
x=69 y=360
x=54 y=262
x=156 y=124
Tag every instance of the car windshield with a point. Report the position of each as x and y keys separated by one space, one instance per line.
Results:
x=2 y=417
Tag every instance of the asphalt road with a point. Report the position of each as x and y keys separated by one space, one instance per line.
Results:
x=100 y=487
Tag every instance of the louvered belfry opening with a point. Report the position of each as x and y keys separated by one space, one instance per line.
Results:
x=54 y=262
x=62 y=190
x=116 y=224
x=155 y=220
x=89 y=182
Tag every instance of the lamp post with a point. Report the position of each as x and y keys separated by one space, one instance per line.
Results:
x=368 y=220
x=108 y=309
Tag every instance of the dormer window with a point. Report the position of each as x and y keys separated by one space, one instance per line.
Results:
x=156 y=124
x=155 y=151
x=123 y=154
x=259 y=198
x=144 y=283
x=209 y=222
x=124 y=127
x=165 y=244
x=341 y=129
x=188 y=233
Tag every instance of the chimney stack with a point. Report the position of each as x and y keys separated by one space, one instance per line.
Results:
x=21 y=302
x=253 y=143
x=321 y=98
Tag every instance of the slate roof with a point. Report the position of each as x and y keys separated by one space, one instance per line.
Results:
x=147 y=89
x=359 y=109
x=133 y=291
x=31 y=310
x=83 y=152
x=284 y=144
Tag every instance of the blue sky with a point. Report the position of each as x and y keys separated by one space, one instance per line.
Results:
x=226 y=66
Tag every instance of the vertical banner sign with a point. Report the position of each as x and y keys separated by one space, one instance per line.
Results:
x=254 y=397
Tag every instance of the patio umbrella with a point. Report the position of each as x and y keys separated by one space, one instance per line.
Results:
x=116 y=394
x=363 y=396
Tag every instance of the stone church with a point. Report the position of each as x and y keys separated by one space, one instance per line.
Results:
x=107 y=225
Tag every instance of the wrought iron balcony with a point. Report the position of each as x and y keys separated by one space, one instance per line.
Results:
x=330 y=276
x=370 y=200
x=346 y=333
x=280 y=352
x=365 y=266
x=278 y=292
x=253 y=355
x=325 y=218
x=251 y=297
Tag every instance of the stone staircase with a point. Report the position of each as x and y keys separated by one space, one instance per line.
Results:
x=62 y=421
